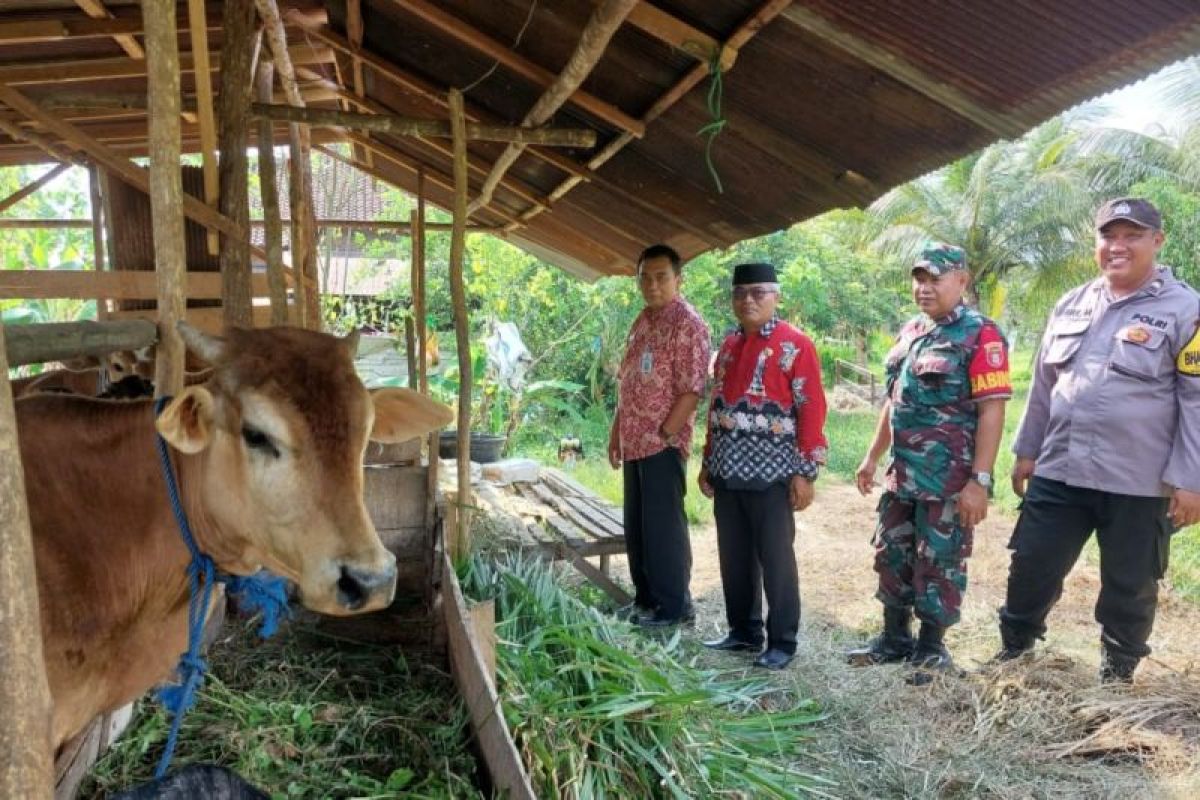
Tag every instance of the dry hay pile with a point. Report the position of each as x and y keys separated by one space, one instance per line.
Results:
x=1039 y=727
x=847 y=397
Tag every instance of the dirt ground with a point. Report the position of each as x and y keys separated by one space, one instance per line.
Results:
x=1041 y=728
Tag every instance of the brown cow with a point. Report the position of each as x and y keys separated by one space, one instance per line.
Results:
x=269 y=460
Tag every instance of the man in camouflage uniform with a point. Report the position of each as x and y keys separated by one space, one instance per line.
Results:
x=947 y=382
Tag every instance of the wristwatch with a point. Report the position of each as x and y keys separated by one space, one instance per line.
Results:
x=984 y=479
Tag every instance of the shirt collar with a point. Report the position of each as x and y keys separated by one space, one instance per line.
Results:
x=767 y=329
x=953 y=316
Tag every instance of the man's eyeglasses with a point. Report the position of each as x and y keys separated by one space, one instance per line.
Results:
x=755 y=293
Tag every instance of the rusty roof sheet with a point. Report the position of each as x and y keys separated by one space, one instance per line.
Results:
x=830 y=104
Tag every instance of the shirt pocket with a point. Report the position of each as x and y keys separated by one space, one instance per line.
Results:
x=939 y=373
x=1065 y=338
x=1145 y=360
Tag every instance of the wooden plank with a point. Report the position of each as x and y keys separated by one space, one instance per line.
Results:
x=483 y=623
x=500 y=753
x=596 y=576
x=96 y=10
x=678 y=34
x=166 y=191
x=99 y=256
x=565 y=530
x=597 y=518
x=90 y=69
x=29 y=284
x=54 y=149
x=33 y=186
x=464 y=34
x=25 y=751
x=210 y=320
x=64 y=26
x=564 y=507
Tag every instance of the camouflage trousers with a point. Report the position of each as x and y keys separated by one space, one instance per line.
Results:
x=920 y=555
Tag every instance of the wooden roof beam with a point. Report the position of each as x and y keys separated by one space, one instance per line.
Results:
x=54 y=149
x=407 y=126
x=96 y=10
x=422 y=88
x=117 y=165
x=95 y=69
x=206 y=118
x=41 y=29
x=464 y=34
x=744 y=33
x=904 y=71
x=593 y=41
x=680 y=35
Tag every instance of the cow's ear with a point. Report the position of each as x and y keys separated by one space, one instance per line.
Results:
x=401 y=414
x=187 y=421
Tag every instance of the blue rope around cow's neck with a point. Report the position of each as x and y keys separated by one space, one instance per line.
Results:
x=263 y=592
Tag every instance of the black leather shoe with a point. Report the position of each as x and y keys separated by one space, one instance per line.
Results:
x=732 y=644
x=773 y=659
x=656 y=619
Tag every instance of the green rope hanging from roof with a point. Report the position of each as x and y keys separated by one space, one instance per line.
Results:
x=716 y=122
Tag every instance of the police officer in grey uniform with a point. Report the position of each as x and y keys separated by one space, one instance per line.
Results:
x=1110 y=441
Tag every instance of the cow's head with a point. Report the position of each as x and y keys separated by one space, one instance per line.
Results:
x=281 y=429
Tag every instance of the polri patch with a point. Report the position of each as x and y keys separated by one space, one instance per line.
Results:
x=1136 y=334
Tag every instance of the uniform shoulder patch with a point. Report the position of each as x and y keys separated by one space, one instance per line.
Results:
x=1188 y=361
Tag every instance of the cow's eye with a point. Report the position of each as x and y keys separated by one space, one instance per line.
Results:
x=257 y=440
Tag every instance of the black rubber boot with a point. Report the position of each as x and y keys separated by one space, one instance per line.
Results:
x=930 y=652
x=892 y=646
x=1013 y=644
x=1116 y=667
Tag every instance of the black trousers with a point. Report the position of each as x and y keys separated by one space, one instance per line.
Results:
x=1056 y=520
x=656 y=532
x=756 y=533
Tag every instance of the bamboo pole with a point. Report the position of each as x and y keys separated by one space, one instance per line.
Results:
x=57 y=341
x=303 y=210
x=98 y=259
x=26 y=765
x=166 y=189
x=410 y=126
x=237 y=52
x=273 y=226
x=594 y=40
x=459 y=299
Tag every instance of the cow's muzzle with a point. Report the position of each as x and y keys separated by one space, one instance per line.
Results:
x=358 y=588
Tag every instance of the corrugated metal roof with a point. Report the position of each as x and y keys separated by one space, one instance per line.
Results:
x=832 y=103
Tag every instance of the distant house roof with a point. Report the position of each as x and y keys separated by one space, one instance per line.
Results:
x=828 y=103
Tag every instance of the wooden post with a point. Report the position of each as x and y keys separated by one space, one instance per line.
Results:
x=237 y=53
x=417 y=238
x=198 y=27
x=26 y=764
x=166 y=189
x=458 y=297
x=410 y=353
x=98 y=259
x=272 y=227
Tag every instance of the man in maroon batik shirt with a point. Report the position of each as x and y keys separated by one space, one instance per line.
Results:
x=662 y=377
x=766 y=443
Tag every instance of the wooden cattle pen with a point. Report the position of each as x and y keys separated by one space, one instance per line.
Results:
x=568 y=128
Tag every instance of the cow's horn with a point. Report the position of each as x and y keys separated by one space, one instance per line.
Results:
x=207 y=347
x=351 y=342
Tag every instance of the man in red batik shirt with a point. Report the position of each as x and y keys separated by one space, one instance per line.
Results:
x=662 y=377
x=766 y=442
